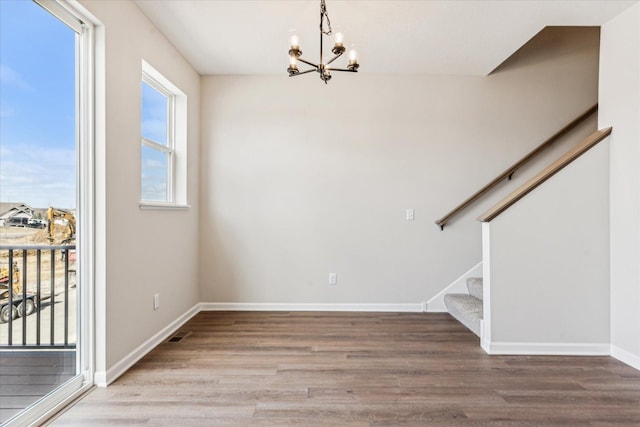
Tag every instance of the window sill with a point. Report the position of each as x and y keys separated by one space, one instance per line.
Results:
x=163 y=206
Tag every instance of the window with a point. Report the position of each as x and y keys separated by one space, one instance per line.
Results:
x=157 y=142
x=163 y=159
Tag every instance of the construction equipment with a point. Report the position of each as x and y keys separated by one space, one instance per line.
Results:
x=70 y=233
x=19 y=305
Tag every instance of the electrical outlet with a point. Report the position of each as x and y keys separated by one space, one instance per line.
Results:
x=156 y=301
x=333 y=279
x=410 y=215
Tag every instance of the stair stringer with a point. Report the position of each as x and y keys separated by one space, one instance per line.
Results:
x=458 y=286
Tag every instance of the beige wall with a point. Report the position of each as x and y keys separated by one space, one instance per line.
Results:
x=300 y=179
x=547 y=260
x=620 y=108
x=139 y=253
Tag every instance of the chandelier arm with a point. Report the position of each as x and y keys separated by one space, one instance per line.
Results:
x=313 y=70
x=307 y=62
x=342 y=69
x=334 y=58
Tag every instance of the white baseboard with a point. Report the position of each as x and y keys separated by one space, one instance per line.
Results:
x=485 y=335
x=100 y=379
x=243 y=306
x=103 y=379
x=625 y=356
x=547 y=349
x=458 y=286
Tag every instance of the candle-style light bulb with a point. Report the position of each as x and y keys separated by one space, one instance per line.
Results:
x=353 y=60
x=338 y=47
x=295 y=42
x=293 y=66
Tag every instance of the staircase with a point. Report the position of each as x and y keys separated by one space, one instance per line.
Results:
x=467 y=308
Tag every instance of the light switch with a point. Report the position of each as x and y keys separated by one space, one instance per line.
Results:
x=333 y=279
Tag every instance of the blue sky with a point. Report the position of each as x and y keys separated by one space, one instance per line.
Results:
x=154 y=128
x=37 y=107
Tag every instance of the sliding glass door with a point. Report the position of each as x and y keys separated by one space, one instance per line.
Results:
x=44 y=289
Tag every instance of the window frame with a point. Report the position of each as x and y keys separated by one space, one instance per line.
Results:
x=175 y=147
x=169 y=147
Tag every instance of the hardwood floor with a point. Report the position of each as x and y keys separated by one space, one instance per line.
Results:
x=26 y=376
x=355 y=369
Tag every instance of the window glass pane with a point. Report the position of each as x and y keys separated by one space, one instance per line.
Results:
x=154 y=115
x=154 y=175
x=37 y=108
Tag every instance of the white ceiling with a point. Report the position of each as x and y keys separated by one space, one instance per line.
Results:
x=393 y=36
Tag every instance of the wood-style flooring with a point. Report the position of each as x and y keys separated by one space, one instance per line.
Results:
x=355 y=369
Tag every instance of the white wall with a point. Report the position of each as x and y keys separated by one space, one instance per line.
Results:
x=300 y=179
x=620 y=108
x=140 y=253
x=547 y=285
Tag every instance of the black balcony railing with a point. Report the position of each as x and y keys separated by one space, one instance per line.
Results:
x=37 y=296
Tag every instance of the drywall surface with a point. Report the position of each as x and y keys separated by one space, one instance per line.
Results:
x=300 y=179
x=549 y=261
x=620 y=108
x=144 y=252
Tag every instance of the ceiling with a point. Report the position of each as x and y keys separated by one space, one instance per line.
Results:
x=393 y=36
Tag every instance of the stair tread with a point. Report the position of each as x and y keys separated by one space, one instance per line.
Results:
x=466 y=309
x=474 y=285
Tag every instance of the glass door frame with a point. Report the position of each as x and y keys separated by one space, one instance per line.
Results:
x=77 y=18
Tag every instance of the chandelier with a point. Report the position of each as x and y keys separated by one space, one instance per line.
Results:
x=321 y=67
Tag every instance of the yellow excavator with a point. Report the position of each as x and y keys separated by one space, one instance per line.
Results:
x=4 y=280
x=70 y=232
x=19 y=306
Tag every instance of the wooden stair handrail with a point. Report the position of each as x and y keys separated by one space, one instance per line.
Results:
x=508 y=173
x=545 y=174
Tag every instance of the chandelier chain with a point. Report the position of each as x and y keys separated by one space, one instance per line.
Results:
x=324 y=14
